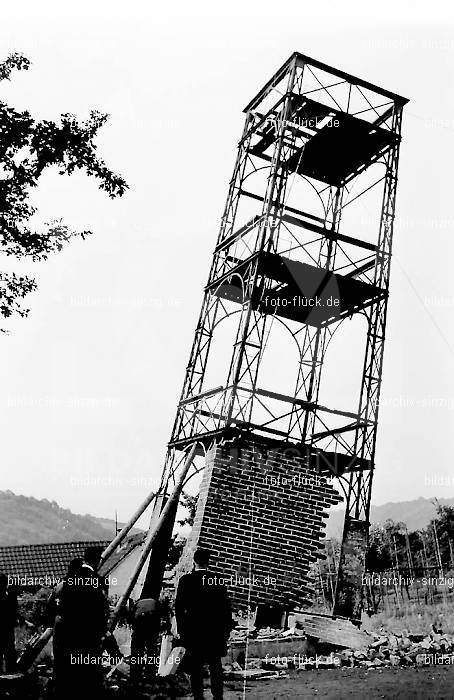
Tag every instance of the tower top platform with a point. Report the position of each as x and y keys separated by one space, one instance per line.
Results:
x=301 y=60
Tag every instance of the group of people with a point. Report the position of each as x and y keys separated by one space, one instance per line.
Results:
x=79 y=609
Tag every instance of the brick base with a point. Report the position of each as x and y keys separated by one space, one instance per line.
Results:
x=261 y=513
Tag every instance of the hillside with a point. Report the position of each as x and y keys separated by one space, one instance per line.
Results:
x=416 y=514
x=26 y=520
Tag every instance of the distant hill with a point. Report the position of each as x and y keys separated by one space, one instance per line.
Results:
x=27 y=520
x=415 y=514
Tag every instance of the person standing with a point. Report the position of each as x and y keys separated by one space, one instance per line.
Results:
x=144 y=636
x=80 y=627
x=204 y=622
x=8 y=620
x=61 y=644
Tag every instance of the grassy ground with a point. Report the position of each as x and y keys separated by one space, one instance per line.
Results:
x=414 y=618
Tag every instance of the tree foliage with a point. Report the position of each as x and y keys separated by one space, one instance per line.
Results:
x=390 y=544
x=27 y=148
x=188 y=502
x=444 y=520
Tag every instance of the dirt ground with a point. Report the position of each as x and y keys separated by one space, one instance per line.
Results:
x=423 y=682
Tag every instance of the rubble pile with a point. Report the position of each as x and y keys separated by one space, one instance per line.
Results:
x=403 y=649
x=380 y=649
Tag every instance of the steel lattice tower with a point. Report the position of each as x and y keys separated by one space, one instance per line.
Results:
x=314 y=124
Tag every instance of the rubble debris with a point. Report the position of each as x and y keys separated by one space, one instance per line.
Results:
x=166 y=648
x=314 y=640
x=33 y=648
x=378 y=650
x=172 y=663
x=272 y=645
x=122 y=667
x=10 y=682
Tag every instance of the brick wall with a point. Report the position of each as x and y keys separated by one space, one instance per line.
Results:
x=262 y=515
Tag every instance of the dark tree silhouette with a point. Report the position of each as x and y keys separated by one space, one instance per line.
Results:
x=27 y=148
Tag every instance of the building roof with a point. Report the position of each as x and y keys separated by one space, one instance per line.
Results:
x=42 y=564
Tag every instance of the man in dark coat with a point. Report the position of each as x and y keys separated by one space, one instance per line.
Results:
x=8 y=620
x=204 y=622
x=80 y=626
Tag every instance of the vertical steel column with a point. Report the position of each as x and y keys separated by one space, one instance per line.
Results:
x=248 y=348
x=356 y=528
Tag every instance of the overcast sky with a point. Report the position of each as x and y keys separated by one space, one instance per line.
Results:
x=90 y=381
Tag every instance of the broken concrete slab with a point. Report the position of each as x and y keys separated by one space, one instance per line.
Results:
x=337 y=631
